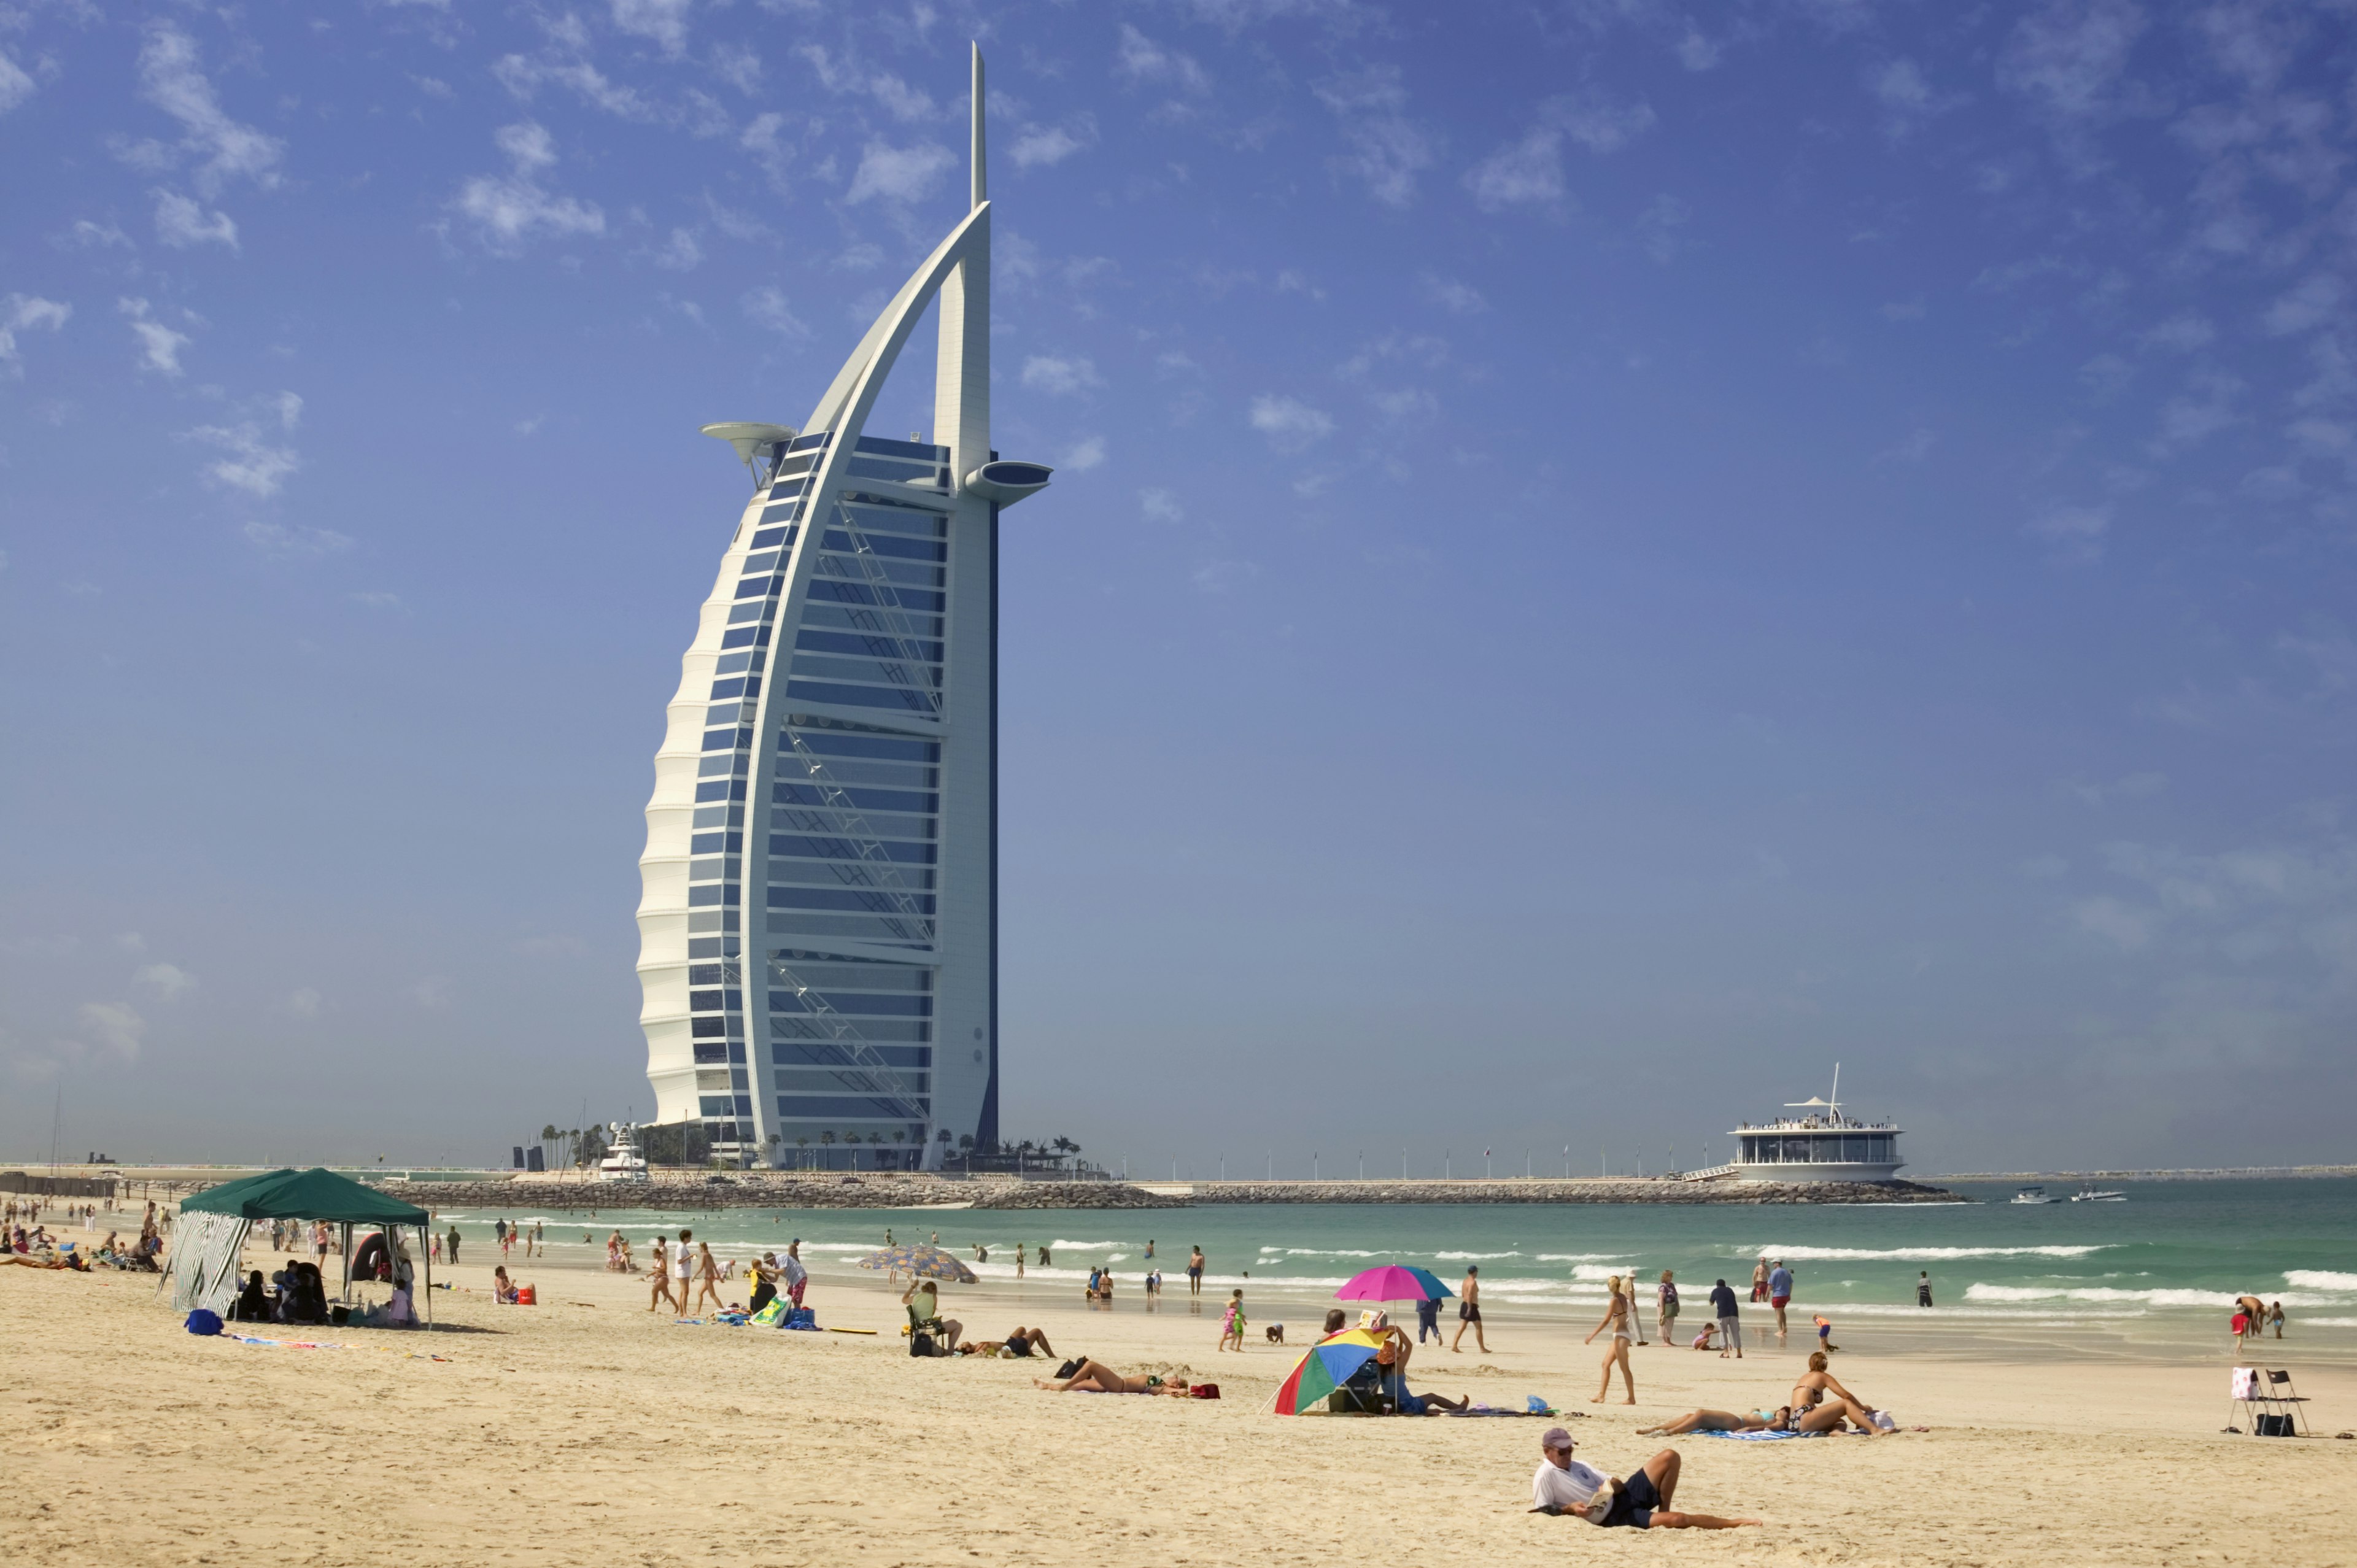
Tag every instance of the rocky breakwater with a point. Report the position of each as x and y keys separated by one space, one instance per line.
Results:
x=1578 y=1189
x=697 y=1192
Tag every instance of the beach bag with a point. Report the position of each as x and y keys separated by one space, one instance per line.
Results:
x=1068 y=1369
x=2275 y=1426
x=802 y=1317
x=204 y=1322
x=770 y=1316
x=525 y=1297
x=920 y=1343
x=1204 y=1392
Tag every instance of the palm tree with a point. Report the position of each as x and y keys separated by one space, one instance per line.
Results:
x=803 y=1142
x=826 y=1141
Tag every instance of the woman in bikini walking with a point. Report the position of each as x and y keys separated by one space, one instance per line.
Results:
x=1618 y=1315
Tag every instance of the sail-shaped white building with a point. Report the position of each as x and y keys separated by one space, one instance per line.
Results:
x=819 y=919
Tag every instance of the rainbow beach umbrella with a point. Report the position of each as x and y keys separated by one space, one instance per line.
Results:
x=1325 y=1367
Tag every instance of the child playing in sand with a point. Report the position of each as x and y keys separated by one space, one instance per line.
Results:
x=1232 y=1323
x=1826 y=1333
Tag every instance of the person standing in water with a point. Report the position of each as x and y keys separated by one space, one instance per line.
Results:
x=1469 y=1311
x=1924 y=1288
x=1195 y=1271
x=1018 y=1260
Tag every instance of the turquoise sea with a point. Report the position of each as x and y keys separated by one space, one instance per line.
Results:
x=2156 y=1273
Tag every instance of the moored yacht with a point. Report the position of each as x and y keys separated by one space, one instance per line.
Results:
x=622 y=1162
x=2088 y=1194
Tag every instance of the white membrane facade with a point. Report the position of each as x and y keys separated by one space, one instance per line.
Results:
x=818 y=927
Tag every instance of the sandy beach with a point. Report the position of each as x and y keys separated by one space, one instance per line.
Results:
x=588 y=1429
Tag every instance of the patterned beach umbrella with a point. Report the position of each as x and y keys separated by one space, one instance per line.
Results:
x=923 y=1262
x=1325 y=1367
x=1390 y=1283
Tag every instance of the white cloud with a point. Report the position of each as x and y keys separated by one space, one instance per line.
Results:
x=296 y=543
x=1457 y=298
x=1046 y=144
x=433 y=992
x=1906 y=96
x=1913 y=447
x=2134 y=786
x=1526 y=172
x=168 y=979
x=1160 y=506
x=662 y=21
x=170 y=79
x=1142 y=59
x=181 y=222
x=1597 y=125
x=766 y=306
x=1289 y=423
x=24 y=312
x=1658 y=226
x=159 y=346
x=899 y=174
x=1695 y=53
x=510 y=210
x=86 y=233
x=2180 y=334
x=115 y=1026
x=2118 y=922
x=302 y=1004
x=680 y=253
x=131 y=941
x=901 y=100
x=2311 y=304
x=1387 y=150
x=2074 y=533
x=1223 y=576
x=1060 y=375
x=2068 y=56
x=15 y=85
x=251 y=463
x=1089 y=454
x=2205 y=407
x=379 y=601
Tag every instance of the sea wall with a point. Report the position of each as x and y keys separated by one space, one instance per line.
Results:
x=795 y=1189
x=776 y=1189
x=1578 y=1189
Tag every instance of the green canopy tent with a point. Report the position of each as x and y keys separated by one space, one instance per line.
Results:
x=210 y=1248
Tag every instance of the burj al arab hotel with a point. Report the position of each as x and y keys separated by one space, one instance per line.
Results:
x=818 y=921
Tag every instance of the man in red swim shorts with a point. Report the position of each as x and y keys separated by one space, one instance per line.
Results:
x=1779 y=1290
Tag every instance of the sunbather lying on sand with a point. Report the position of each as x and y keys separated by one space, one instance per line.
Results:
x=1022 y=1342
x=1096 y=1378
x=1429 y=1403
x=1778 y=1420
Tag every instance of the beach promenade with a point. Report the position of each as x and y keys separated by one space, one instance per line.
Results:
x=588 y=1430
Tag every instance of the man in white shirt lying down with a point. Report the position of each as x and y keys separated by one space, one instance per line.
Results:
x=1563 y=1485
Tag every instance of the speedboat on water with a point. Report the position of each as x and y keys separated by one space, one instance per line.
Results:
x=2088 y=1194
x=2035 y=1195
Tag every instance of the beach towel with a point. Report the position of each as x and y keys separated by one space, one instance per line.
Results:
x=1755 y=1436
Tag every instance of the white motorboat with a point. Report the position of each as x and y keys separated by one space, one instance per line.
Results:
x=622 y=1162
x=2088 y=1194
x=2035 y=1195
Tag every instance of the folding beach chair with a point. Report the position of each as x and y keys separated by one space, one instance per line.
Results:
x=2266 y=1399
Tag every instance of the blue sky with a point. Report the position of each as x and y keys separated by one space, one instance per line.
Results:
x=1606 y=556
